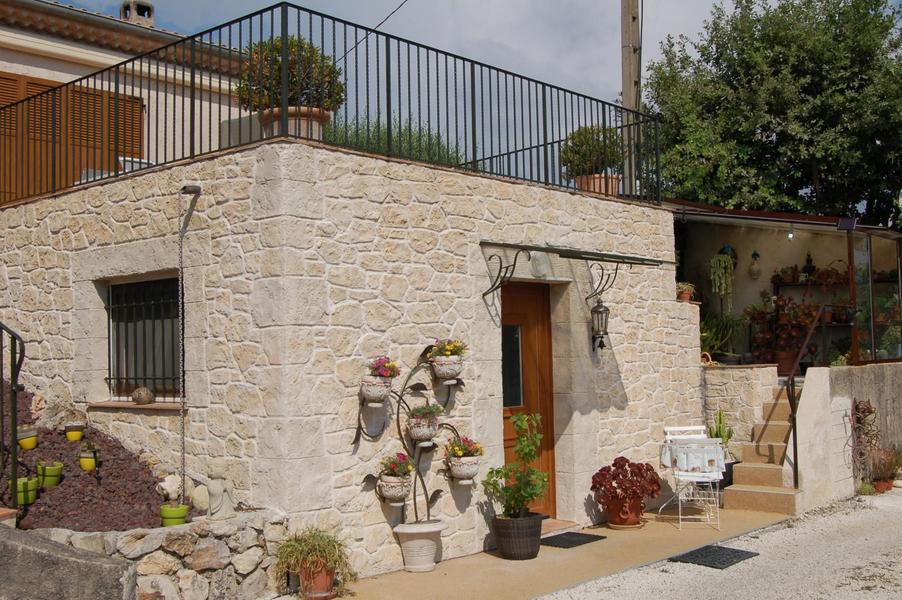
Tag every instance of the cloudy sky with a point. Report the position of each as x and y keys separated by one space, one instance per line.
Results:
x=572 y=43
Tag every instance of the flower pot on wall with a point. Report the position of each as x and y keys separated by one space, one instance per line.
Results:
x=464 y=468
x=303 y=121
x=626 y=513
x=27 y=438
x=394 y=490
x=447 y=367
x=375 y=389
x=684 y=296
x=422 y=430
x=173 y=515
x=599 y=184
x=785 y=361
x=49 y=474
x=420 y=543
x=518 y=539
x=75 y=431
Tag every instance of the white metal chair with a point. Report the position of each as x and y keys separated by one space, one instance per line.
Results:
x=697 y=465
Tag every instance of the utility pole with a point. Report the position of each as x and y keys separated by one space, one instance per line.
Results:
x=629 y=52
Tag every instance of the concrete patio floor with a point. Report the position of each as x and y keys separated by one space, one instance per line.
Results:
x=485 y=575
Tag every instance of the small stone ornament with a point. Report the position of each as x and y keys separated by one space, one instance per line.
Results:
x=221 y=492
x=143 y=395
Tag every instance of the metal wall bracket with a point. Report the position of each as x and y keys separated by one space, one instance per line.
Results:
x=505 y=272
x=605 y=279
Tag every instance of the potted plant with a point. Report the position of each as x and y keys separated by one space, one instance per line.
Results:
x=49 y=473
x=462 y=456
x=422 y=423
x=720 y=429
x=447 y=358
x=75 y=431
x=172 y=513
x=717 y=333
x=376 y=386
x=593 y=157
x=314 y=86
x=621 y=489
x=394 y=478
x=720 y=272
x=87 y=459
x=27 y=438
x=515 y=485
x=883 y=469
x=685 y=291
x=26 y=490
x=320 y=561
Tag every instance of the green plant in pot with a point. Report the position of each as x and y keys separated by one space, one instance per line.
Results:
x=515 y=486
x=717 y=334
x=320 y=561
x=315 y=87
x=720 y=429
x=173 y=513
x=685 y=291
x=621 y=490
x=49 y=473
x=593 y=157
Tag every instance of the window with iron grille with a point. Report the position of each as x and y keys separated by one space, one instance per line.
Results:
x=144 y=337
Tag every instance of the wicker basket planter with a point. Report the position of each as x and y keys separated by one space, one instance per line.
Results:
x=518 y=539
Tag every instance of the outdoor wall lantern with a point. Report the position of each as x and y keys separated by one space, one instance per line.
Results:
x=600 y=314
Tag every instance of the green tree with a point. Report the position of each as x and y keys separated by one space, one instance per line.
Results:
x=794 y=106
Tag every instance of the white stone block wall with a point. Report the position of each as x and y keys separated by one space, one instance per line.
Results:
x=741 y=392
x=303 y=262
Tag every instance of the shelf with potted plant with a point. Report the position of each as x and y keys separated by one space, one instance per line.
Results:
x=418 y=426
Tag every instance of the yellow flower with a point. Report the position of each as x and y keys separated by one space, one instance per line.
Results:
x=459 y=452
x=409 y=468
x=447 y=353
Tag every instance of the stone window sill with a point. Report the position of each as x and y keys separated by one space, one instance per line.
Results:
x=155 y=406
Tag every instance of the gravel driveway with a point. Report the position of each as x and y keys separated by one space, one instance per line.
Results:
x=852 y=549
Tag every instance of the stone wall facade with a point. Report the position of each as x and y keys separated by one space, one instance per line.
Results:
x=231 y=559
x=741 y=392
x=880 y=384
x=301 y=263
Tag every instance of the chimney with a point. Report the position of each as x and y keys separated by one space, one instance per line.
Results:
x=139 y=12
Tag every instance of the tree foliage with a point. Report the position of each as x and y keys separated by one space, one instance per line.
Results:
x=788 y=106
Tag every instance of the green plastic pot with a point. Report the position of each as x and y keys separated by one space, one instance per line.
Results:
x=173 y=515
x=26 y=490
x=49 y=474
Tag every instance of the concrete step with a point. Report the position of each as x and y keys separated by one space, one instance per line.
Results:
x=777 y=411
x=772 y=431
x=762 y=498
x=780 y=392
x=758 y=474
x=772 y=453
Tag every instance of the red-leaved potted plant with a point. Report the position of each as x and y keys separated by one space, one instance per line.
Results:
x=621 y=490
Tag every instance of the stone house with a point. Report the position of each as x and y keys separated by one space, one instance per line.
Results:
x=305 y=256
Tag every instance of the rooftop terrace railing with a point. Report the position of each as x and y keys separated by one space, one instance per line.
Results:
x=289 y=71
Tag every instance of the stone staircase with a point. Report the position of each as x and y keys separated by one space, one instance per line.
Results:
x=758 y=482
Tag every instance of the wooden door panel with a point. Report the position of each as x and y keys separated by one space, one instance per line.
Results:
x=527 y=373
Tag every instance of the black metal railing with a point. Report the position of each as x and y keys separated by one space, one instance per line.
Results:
x=247 y=80
x=12 y=347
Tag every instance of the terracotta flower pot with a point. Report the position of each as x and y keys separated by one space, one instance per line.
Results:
x=785 y=361
x=882 y=486
x=303 y=121
x=447 y=367
x=684 y=296
x=375 y=389
x=608 y=185
x=394 y=490
x=626 y=514
x=317 y=584
x=518 y=539
x=464 y=468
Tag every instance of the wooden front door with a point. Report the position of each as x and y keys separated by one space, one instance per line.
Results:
x=526 y=373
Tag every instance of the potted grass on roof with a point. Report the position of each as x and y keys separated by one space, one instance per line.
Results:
x=315 y=88
x=592 y=156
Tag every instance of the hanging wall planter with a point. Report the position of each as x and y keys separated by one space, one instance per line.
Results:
x=463 y=456
x=447 y=358
x=375 y=388
x=49 y=474
x=27 y=438
x=75 y=431
x=422 y=423
x=394 y=479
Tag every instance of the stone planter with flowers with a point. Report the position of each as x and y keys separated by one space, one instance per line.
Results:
x=394 y=478
x=621 y=490
x=422 y=423
x=447 y=358
x=463 y=456
x=376 y=387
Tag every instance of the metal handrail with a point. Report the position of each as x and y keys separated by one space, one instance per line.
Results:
x=16 y=359
x=403 y=99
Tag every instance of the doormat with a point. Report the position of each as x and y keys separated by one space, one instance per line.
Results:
x=571 y=539
x=716 y=557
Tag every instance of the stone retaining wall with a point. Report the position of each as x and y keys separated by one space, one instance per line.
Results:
x=230 y=559
x=741 y=392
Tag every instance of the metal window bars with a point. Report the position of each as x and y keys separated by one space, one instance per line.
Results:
x=260 y=75
x=144 y=338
